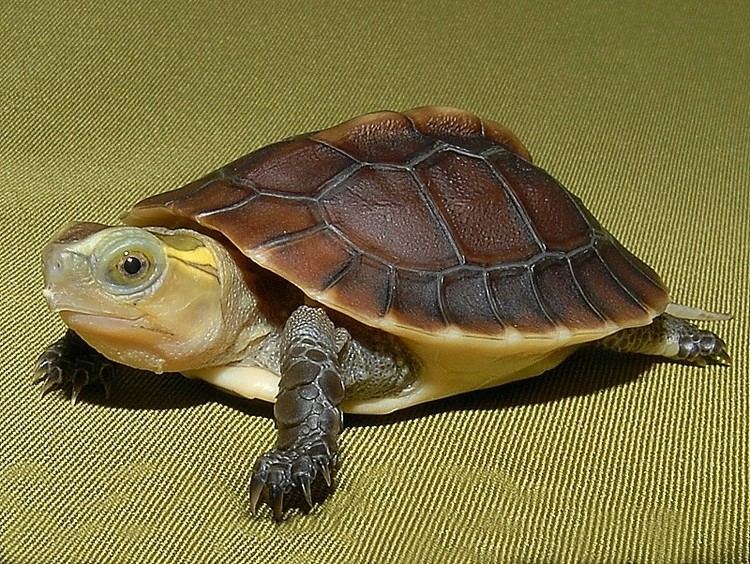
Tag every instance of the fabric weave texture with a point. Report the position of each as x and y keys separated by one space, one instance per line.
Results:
x=641 y=109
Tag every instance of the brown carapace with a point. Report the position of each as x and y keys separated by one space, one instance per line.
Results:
x=430 y=219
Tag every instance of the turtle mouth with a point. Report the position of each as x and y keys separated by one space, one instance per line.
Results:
x=99 y=321
x=105 y=324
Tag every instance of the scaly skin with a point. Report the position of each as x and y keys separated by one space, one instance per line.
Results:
x=307 y=413
x=671 y=337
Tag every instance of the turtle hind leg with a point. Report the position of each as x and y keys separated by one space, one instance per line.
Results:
x=672 y=338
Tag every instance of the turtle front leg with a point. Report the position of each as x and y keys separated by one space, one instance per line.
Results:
x=71 y=363
x=673 y=338
x=307 y=413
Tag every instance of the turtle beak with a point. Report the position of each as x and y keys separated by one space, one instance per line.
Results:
x=64 y=265
x=63 y=270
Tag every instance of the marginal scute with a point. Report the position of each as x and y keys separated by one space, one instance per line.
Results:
x=561 y=296
x=467 y=302
x=516 y=302
x=364 y=288
x=416 y=300
x=429 y=220
x=634 y=275
x=604 y=291
x=200 y=196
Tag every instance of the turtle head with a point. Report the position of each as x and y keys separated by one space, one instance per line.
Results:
x=150 y=298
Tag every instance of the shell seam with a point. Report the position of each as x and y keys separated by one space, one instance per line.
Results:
x=538 y=296
x=585 y=297
x=438 y=216
x=619 y=283
x=508 y=189
x=491 y=298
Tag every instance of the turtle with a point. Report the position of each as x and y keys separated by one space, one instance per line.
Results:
x=394 y=259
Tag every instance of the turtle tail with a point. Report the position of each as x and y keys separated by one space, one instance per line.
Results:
x=693 y=313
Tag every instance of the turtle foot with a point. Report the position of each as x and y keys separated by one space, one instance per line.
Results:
x=673 y=338
x=284 y=477
x=72 y=365
x=702 y=347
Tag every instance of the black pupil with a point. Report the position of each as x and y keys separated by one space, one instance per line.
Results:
x=132 y=265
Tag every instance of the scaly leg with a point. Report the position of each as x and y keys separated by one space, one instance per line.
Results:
x=307 y=412
x=671 y=337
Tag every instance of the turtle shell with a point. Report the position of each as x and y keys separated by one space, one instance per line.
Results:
x=429 y=221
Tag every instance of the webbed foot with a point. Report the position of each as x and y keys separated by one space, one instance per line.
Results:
x=72 y=365
x=293 y=474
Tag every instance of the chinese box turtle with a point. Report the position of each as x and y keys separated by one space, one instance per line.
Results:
x=391 y=260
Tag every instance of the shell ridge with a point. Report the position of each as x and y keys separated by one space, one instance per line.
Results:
x=410 y=120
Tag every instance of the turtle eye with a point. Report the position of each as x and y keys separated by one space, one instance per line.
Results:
x=133 y=265
x=128 y=263
x=128 y=270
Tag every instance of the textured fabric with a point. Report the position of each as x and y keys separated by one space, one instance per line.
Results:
x=641 y=110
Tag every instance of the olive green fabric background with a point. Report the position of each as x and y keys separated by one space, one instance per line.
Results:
x=642 y=110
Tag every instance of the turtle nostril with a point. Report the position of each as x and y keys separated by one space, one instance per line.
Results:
x=57 y=265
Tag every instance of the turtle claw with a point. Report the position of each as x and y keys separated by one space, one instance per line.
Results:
x=49 y=385
x=290 y=474
x=71 y=364
x=257 y=484
x=326 y=473
x=722 y=357
x=277 y=495
x=106 y=373
x=304 y=482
